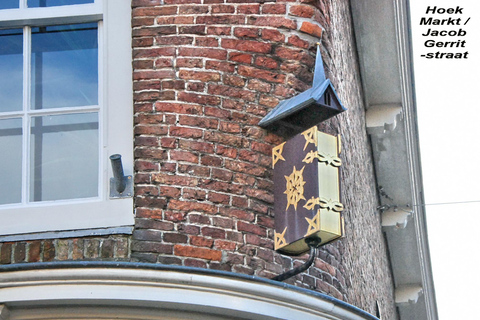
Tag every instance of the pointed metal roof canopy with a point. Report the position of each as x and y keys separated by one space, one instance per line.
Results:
x=307 y=109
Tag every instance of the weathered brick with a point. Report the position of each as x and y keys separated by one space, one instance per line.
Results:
x=217 y=112
x=247 y=45
x=298 y=42
x=148 y=235
x=92 y=248
x=48 y=251
x=200 y=146
x=219 y=198
x=193 y=9
x=225 y=223
x=78 y=246
x=175 y=237
x=195 y=263
x=221 y=19
x=242 y=32
x=220 y=54
x=237 y=213
x=34 y=251
x=269 y=101
x=223 y=9
x=200 y=99
x=225 y=139
x=173 y=84
x=273 y=35
x=149 y=213
x=149 y=246
x=272 y=21
x=150 y=202
x=195 y=29
x=107 y=249
x=240 y=57
x=266 y=62
x=252 y=72
x=304 y=11
x=155 y=11
x=198 y=241
x=221 y=174
x=196 y=252
x=142 y=42
x=211 y=161
x=194 y=170
x=233 y=80
x=232 y=92
x=227 y=152
x=19 y=253
x=219 y=30
x=178 y=155
x=191 y=206
x=277 y=8
x=199 y=122
x=173 y=40
x=199 y=218
x=225 y=245
x=149 y=223
x=311 y=28
x=189 y=229
x=239 y=166
x=249 y=8
x=146 y=3
x=220 y=65
x=296 y=55
x=204 y=76
x=206 y=42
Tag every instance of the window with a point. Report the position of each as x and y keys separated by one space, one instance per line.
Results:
x=65 y=101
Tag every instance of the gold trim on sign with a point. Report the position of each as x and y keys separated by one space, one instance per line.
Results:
x=310 y=136
x=294 y=189
x=313 y=224
x=324 y=204
x=280 y=239
x=328 y=159
x=277 y=154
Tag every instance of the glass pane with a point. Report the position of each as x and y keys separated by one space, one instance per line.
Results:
x=64 y=66
x=8 y=4
x=11 y=161
x=64 y=157
x=53 y=3
x=11 y=70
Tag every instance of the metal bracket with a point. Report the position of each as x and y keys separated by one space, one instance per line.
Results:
x=121 y=186
x=313 y=243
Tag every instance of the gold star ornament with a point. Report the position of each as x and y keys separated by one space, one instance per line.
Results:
x=294 y=189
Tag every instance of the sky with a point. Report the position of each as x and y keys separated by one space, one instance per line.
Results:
x=448 y=117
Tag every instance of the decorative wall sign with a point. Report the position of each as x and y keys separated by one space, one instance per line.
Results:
x=307 y=191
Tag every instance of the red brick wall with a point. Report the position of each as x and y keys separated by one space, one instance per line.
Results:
x=206 y=72
x=88 y=248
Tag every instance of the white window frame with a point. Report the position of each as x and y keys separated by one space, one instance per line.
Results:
x=100 y=215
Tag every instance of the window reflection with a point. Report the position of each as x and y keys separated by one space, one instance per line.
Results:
x=64 y=157
x=64 y=66
x=9 y=4
x=11 y=161
x=11 y=70
x=53 y=3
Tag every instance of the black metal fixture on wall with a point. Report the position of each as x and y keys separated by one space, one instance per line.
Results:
x=307 y=109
